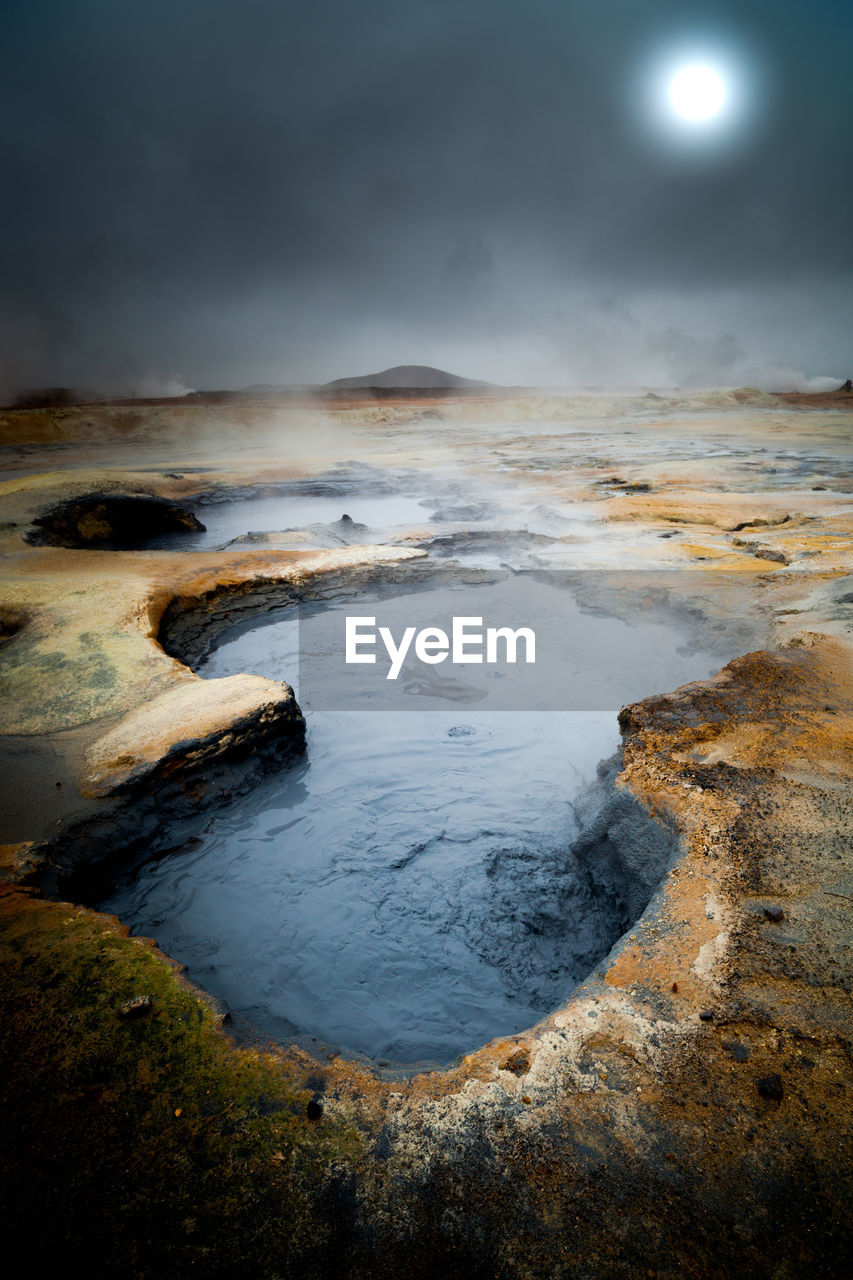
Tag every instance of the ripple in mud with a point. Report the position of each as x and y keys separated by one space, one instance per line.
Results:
x=407 y=893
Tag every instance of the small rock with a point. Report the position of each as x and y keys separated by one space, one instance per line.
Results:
x=770 y=1087
x=707 y=1015
x=774 y=913
x=136 y=1008
x=518 y=1063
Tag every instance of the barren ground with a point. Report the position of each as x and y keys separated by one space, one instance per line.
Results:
x=687 y=1112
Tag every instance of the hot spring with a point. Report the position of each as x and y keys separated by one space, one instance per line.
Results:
x=411 y=887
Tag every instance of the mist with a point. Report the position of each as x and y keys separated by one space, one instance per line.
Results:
x=228 y=194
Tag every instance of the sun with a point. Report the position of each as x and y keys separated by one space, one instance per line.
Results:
x=697 y=92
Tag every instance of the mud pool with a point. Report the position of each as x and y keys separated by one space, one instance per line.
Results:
x=408 y=890
x=224 y=521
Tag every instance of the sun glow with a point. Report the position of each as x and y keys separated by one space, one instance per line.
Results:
x=699 y=98
x=697 y=92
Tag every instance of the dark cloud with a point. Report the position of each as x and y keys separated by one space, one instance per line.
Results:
x=265 y=190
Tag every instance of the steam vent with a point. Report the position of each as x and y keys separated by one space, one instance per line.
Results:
x=459 y=975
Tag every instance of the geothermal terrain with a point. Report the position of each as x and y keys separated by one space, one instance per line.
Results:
x=443 y=988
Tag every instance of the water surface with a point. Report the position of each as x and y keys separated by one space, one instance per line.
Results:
x=408 y=890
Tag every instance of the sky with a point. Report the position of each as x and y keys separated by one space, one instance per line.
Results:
x=219 y=193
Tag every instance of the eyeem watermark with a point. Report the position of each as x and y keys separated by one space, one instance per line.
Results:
x=432 y=645
x=507 y=640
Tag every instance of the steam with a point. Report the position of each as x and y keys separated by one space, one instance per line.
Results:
x=606 y=343
x=780 y=377
x=152 y=386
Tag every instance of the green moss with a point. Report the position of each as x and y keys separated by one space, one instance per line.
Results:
x=56 y=688
x=147 y=1146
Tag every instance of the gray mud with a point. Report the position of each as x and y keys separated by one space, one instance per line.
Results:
x=420 y=882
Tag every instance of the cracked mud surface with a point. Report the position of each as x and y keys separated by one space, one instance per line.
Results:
x=685 y=1113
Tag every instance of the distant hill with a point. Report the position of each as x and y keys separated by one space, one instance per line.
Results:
x=419 y=377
